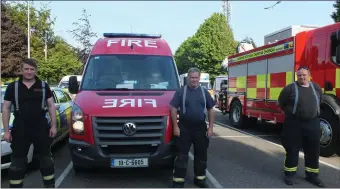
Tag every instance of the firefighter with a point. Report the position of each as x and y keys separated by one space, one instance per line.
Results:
x=194 y=103
x=300 y=102
x=29 y=95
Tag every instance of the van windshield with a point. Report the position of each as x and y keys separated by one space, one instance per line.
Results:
x=130 y=72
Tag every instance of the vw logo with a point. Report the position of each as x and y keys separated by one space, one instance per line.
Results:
x=129 y=129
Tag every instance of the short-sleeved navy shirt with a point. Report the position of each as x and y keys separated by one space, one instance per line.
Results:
x=29 y=99
x=194 y=103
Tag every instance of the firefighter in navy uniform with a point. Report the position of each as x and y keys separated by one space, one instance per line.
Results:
x=194 y=103
x=300 y=102
x=30 y=96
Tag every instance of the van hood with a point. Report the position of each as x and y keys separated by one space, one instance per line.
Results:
x=124 y=103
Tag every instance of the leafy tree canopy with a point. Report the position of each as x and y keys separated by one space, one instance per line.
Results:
x=13 y=44
x=208 y=47
x=336 y=14
x=61 y=58
x=83 y=34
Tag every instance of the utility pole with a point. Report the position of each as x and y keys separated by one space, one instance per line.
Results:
x=226 y=9
x=28 y=31
x=45 y=49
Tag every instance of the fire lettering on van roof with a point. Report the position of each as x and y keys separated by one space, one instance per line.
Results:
x=128 y=42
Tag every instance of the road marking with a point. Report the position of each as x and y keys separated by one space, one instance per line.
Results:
x=209 y=175
x=63 y=175
x=240 y=136
x=300 y=153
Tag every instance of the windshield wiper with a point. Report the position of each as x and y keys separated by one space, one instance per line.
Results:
x=113 y=89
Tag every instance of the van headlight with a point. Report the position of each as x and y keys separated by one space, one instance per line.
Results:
x=77 y=120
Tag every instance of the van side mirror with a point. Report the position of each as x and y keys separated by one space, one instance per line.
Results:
x=73 y=85
x=337 y=54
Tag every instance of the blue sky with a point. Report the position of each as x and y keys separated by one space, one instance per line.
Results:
x=177 y=20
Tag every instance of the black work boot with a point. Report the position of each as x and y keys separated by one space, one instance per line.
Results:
x=289 y=180
x=201 y=183
x=177 y=184
x=315 y=180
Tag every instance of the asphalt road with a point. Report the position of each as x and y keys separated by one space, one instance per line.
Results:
x=236 y=159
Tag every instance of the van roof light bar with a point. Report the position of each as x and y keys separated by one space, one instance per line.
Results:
x=113 y=35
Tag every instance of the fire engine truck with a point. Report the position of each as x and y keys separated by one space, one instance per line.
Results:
x=256 y=78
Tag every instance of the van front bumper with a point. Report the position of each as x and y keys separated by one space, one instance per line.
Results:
x=92 y=156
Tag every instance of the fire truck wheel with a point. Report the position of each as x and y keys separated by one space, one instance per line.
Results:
x=235 y=116
x=329 y=126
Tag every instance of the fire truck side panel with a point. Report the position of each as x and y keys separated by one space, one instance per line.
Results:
x=237 y=84
x=315 y=49
x=272 y=67
x=262 y=85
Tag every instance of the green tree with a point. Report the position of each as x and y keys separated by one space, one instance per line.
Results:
x=83 y=35
x=61 y=58
x=13 y=44
x=183 y=58
x=62 y=61
x=336 y=14
x=209 y=46
x=41 y=26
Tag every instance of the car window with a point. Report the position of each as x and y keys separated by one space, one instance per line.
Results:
x=61 y=96
x=68 y=97
x=63 y=84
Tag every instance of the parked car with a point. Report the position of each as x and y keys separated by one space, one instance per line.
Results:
x=63 y=84
x=63 y=104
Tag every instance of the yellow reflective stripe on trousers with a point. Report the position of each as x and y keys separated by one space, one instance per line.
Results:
x=312 y=170
x=16 y=181
x=178 y=179
x=291 y=169
x=200 y=177
x=48 y=177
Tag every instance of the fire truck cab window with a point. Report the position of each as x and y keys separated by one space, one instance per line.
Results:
x=335 y=42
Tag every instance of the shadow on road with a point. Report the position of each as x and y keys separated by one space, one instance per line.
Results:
x=251 y=162
x=265 y=128
x=119 y=178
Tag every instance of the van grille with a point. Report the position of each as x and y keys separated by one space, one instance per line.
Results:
x=109 y=135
